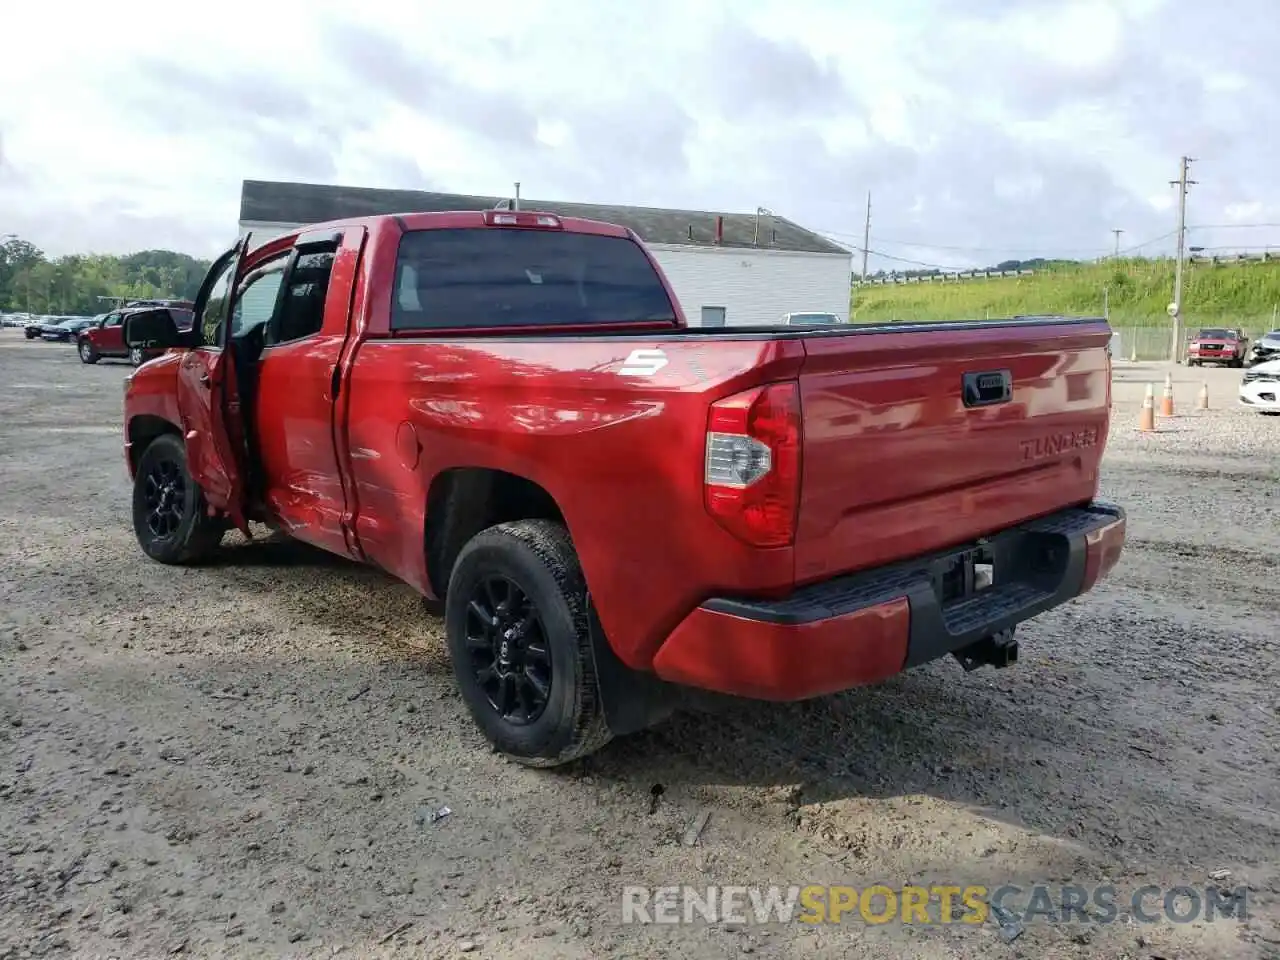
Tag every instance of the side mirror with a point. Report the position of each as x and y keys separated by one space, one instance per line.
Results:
x=153 y=330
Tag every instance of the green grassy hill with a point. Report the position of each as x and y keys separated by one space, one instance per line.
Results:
x=1236 y=294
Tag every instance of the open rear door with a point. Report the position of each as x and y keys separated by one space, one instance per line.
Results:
x=208 y=400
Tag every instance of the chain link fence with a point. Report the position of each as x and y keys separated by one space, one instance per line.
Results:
x=1154 y=343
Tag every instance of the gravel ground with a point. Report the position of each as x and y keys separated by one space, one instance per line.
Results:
x=242 y=760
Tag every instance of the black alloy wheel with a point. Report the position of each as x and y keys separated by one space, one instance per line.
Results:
x=517 y=626
x=165 y=497
x=170 y=516
x=508 y=649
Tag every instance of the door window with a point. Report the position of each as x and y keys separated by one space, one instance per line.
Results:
x=114 y=320
x=215 y=307
x=256 y=300
x=302 y=308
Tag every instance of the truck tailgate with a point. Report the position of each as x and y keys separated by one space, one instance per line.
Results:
x=925 y=437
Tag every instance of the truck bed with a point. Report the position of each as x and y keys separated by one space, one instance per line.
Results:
x=894 y=464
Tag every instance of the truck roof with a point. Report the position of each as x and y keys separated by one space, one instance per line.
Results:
x=443 y=220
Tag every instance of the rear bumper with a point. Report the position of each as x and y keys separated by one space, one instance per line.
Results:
x=864 y=628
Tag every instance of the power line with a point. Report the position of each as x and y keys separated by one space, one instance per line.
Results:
x=942 y=246
x=1231 y=226
x=1147 y=243
x=1010 y=248
x=916 y=263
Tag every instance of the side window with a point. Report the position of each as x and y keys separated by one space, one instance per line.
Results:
x=256 y=298
x=302 y=311
x=115 y=320
x=215 y=308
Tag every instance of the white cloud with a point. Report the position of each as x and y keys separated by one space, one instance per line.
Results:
x=985 y=130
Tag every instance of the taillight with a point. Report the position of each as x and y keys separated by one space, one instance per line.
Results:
x=752 y=472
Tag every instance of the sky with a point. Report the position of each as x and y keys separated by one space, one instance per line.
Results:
x=984 y=129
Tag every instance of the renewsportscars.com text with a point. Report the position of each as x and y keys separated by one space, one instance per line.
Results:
x=936 y=904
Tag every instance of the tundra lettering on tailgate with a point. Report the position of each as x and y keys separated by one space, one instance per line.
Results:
x=1055 y=443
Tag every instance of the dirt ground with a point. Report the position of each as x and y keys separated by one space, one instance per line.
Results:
x=242 y=760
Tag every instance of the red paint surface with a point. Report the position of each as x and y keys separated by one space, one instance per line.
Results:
x=1104 y=547
x=770 y=661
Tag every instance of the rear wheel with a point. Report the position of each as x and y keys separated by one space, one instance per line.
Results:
x=516 y=621
x=170 y=517
x=135 y=356
x=87 y=353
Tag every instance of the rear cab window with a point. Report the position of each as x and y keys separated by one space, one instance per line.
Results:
x=491 y=277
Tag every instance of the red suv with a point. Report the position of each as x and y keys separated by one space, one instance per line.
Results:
x=105 y=338
x=1217 y=345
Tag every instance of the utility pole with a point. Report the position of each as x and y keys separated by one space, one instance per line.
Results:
x=1175 y=308
x=1117 y=232
x=866 y=238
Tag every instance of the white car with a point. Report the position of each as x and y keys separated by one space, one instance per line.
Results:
x=810 y=319
x=1260 y=388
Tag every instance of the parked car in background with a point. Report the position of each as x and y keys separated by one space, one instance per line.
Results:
x=812 y=319
x=34 y=326
x=105 y=336
x=1217 y=345
x=65 y=330
x=1267 y=347
x=1260 y=388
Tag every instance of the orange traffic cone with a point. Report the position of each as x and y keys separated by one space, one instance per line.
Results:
x=1166 y=400
x=1147 y=418
x=1202 y=400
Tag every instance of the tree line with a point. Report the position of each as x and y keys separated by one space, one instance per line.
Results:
x=31 y=282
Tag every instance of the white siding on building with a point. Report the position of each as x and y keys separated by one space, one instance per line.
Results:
x=262 y=232
x=753 y=287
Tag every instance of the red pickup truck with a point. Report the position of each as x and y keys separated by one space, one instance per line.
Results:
x=105 y=337
x=506 y=410
x=1217 y=345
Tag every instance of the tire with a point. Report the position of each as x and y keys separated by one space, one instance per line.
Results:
x=136 y=356
x=87 y=353
x=537 y=558
x=181 y=530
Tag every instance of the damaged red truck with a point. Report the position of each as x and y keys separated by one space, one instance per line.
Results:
x=507 y=411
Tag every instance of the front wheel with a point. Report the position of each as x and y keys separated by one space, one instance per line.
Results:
x=170 y=517
x=87 y=353
x=516 y=622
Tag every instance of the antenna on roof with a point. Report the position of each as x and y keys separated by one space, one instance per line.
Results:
x=760 y=212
